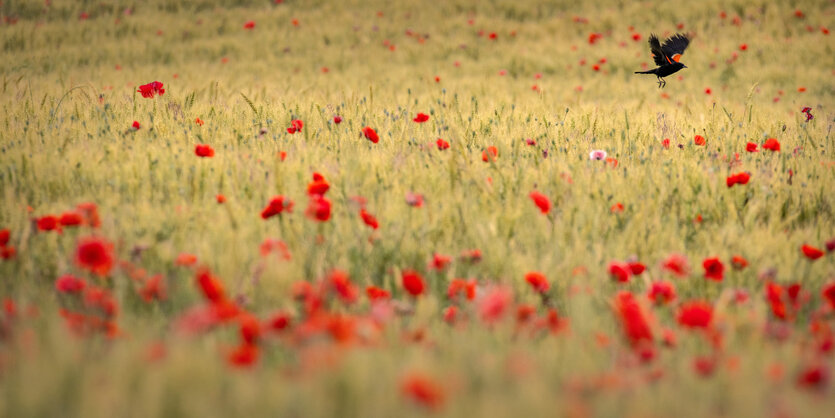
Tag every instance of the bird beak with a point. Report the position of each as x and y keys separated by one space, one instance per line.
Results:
x=684 y=66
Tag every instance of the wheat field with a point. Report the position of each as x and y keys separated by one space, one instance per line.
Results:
x=491 y=214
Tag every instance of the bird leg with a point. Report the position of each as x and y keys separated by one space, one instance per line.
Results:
x=660 y=80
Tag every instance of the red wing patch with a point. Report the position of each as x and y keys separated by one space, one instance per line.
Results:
x=676 y=57
x=668 y=59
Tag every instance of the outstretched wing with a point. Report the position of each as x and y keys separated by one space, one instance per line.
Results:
x=657 y=52
x=674 y=46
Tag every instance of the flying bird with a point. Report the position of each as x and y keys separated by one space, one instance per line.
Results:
x=666 y=56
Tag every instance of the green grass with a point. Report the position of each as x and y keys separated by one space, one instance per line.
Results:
x=68 y=100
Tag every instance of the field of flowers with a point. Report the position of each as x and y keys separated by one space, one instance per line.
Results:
x=375 y=209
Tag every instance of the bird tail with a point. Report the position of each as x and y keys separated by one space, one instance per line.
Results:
x=643 y=72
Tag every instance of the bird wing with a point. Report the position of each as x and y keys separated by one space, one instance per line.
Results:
x=674 y=46
x=657 y=52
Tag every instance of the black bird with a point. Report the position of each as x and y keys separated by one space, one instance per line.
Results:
x=666 y=56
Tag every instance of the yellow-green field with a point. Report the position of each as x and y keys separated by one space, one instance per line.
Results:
x=140 y=279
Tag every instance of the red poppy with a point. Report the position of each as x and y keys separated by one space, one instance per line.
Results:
x=249 y=25
x=295 y=126
x=340 y=282
x=220 y=198
x=700 y=140
x=811 y=252
x=714 y=269
x=440 y=261
x=774 y=296
x=71 y=219
x=814 y=377
x=676 y=264
x=153 y=288
x=413 y=282
x=633 y=320
x=337 y=119
x=461 y=286
x=421 y=117
x=636 y=268
x=450 y=314
x=370 y=134
x=369 y=219
x=665 y=143
x=70 y=284
x=772 y=144
x=5 y=234
x=199 y=122
x=828 y=293
x=537 y=281
x=541 y=201
x=495 y=304
x=7 y=252
x=95 y=254
x=375 y=293
x=245 y=355
x=319 y=186
x=616 y=208
x=619 y=271
x=204 y=150
x=751 y=147
x=211 y=287
x=90 y=212
x=594 y=37
x=695 y=314
x=442 y=145
x=739 y=262
x=473 y=256
x=423 y=391
x=704 y=366
x=738 y=178
x=277 y=206
x=48 y=223
x=490 y=154
x=414 y=199
x=185 y=259
x=319 y=208
x=135 y=125
x=151 y=89
x=662 y=292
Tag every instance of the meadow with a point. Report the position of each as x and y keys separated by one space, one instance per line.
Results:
x=374 y=209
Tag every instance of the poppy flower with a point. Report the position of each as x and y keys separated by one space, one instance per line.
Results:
x=751 y=147
x=376 y=293
x=149 y=90
x=48 y=223
x=413 y=282
x=277 y=206
x=245 y=355
x=811 y=252
x=704 y=366
x=676 y=264
x=319 y=186
x=370 y=134
x=597 y=154
x=185 y=259
x=632 y=318
x=616 y=208
x=450 y=314
x=461 y=287
x=95 y=254
x=414 y=199
x=319 y=208
x=442 y=145
x=7 y=252
x=211 y=287
x=340 y=282
x=738 y=178
x=772 y=144
x=440 y=261
x=423 y=391
x=619 y=271
x=90 y=212
x=698 y=139
x=636 y=268
x=661 y=292
x=5 y=235
x=70 y=284
x=421 y=117
x=537 y=281
x=495 y=304
x=71 y=219
x=541 y=201
x=714 y=269
x=135 y=125
x=695 y=314
x=369 y=219
x=204 y=150
x=153 y=288
x=220 y=198
x=473 y=256
x=828 y=293
x=814 y=377
x=530 y=142
x=295 y=126
x=594 y=37
x=665 y=143
x=739 y=262
x=490 y=154
x=199 y=121
x=337 y=119
x=249 y=25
